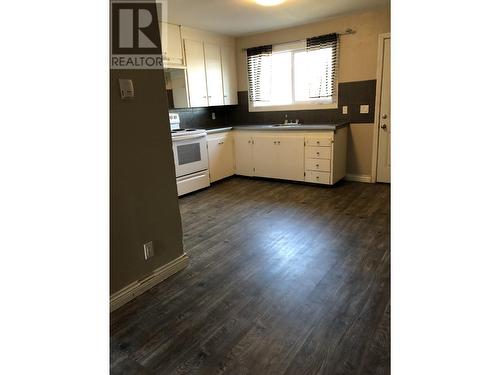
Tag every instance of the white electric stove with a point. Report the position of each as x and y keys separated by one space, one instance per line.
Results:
x=190 y=157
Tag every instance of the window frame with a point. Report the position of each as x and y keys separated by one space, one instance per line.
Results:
x=301 y=105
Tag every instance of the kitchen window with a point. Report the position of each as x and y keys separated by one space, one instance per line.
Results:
x=296 y=75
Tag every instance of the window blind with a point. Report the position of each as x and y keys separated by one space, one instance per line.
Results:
x=325 y=84
x=259 y=72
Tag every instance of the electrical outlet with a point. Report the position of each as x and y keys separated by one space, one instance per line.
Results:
x=148 y=250
x=364 y=108
x=213 y=115
x=344 y=110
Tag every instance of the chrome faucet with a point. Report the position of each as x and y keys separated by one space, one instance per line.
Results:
x=296 y=122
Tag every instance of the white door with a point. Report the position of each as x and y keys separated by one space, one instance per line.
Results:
x=213 y=66
x=384 y=121
x=220 y=157
x=195 y=62
x=291 y=158
x=265 y=156
x=229 y=75
x=243 y=154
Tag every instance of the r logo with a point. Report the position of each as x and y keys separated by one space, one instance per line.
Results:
x=135 y=28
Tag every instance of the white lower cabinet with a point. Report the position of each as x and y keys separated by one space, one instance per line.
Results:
x=220 y=155
x=243 y=153
x=265 y=155
x=291 y=158
x=315 y=157
x=318 y=177
x=279 y=156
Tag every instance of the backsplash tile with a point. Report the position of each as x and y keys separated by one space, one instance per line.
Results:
x=352 y=94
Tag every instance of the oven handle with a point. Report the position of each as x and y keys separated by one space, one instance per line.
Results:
x=184 y=137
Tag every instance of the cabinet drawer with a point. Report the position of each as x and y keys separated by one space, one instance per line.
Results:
x=321 y=142
x=318 y=152
x=318 y=165
x=318 y=177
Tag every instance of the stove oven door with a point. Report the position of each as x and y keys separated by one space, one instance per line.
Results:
x=190 y=154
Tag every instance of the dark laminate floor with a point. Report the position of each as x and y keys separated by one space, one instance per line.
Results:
x=283 y=279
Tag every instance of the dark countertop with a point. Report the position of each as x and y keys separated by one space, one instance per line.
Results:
x=315 y=127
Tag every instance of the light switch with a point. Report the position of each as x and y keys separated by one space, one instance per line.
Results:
x=344 y=110
x=126 y=88
x=364 y=108
x=213 y=115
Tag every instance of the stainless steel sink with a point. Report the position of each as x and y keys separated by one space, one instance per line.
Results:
x=286 y=126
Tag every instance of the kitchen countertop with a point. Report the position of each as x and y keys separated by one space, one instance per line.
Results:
x=332 y=127
x=219 y=130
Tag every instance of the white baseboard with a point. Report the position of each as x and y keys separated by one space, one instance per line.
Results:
x=136 y=288
x=358 y=177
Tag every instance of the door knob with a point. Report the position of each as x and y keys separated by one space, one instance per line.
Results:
x=384 y=116
x=384 y=126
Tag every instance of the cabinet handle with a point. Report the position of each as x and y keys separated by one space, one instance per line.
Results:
x=274 y=142
x=317 y=177
x=279 y=142
x=249 y=141
x=317 y=153
x=204 y=97
x=317 y=165
x=317 y=142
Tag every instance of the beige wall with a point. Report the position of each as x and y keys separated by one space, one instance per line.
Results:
x=358 y=62
x=358 y=52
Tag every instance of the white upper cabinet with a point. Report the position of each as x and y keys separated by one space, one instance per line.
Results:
x=213 y=67
x=216 y=83
x=171 y=43
x=197 y=84
x=229 y=76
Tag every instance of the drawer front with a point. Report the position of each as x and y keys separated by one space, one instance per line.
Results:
x=318 y=152
x=320 y=142
x=322 y=165
x=318 y=177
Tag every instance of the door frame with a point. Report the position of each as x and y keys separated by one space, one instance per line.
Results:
x=376 y=124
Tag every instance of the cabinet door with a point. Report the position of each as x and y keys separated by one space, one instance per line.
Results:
x=243 y=153
x=290 y=163
x=213 y=66
x=195 y=62
x=220 y=157
x=171 y=43
x=265 y=156
x=229 y=75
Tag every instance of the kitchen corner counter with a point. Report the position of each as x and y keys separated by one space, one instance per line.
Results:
x=316 y=127
x=219 y=130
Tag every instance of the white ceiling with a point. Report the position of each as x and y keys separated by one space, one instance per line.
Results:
x=242 y=17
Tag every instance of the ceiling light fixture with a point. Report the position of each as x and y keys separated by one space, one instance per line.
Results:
x=269 y=3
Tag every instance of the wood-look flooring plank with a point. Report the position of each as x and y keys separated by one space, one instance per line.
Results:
x=283 y=278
